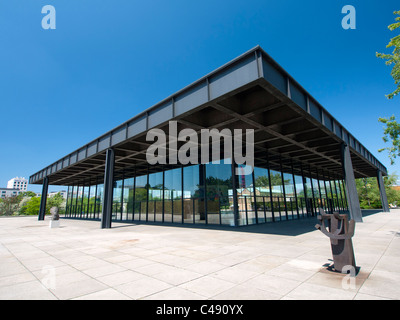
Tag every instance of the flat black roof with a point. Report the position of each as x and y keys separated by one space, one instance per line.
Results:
x=249 y=92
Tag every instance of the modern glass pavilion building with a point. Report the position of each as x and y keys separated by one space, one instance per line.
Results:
x=304 y=159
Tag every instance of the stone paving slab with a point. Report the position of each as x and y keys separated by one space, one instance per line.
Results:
x=285 y=260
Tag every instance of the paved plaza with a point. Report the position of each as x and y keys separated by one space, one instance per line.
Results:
x=285 y=260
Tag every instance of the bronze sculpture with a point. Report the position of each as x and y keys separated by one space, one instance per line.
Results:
x=341 y=231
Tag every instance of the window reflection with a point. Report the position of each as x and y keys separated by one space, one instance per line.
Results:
x=278 y=200
x=128 y=199
x=193 y=195
x=219 y=195
x=245 y=196
x=290 y=196
x=173 y=196
x=205 y=194
x=155 y=196
x=140 y=205
x=263 y=199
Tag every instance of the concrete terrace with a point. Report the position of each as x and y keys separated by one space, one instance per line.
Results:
x=285 y=260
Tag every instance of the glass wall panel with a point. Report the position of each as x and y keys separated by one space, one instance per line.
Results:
x=173 y=196
x=140 y=207
x=323 y=196
x=278 y=200
x=309 y=196
x=85 y=202
x=79 y=202
x=155 y=197
x=334 y=195
x=128 y=199
x=69 y=201
x=92 y=201
x=290 y=196
x=246 y=200
x=317 y=197
x=99 y=200
x=73 y=201
x=263 y=199
x=330 y=205
x=300 y=195
x=193 y=200
x=339 y=195
x=219 y=194
x=117 y=205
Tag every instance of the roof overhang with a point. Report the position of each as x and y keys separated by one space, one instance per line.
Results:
x=250 y=92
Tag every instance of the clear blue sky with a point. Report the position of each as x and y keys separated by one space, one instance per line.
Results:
x=109 y=60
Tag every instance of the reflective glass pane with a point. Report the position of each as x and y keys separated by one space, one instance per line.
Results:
x=117 y=195
x=128 y=199
x=85 y=202
x=277 y=194
x=219 y=194
x=99 y=200
x=92 y=200
x=322 y=190
x=173 y=196
x=193 y=198
x=79 y=201
x=290 y=196
x=317 y=197
x=69 y=201
x=155 y=196
x=261 y=182
x=245 y=194
x=309 y=196
x=140 y=206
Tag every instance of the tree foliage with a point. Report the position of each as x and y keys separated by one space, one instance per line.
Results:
x=394 y=58
x=391 y=133
x=369 y=195
x=9 y=205
x=392 y=127
x=28 y=204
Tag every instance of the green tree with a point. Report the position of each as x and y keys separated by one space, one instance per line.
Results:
x=392 y=128
x=33 y=206
x=276 y=180
x=9 y=206
x=391 y=133
x=369 y=195
x=55 y=201
x=394 y=58
x=29 y=194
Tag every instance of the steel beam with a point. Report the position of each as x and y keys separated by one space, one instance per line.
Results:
x=350 y=184
x=382 y=191
x=43 y=200
x=108 y=190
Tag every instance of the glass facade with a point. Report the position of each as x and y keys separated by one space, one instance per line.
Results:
x=219 y=194
x=211 y=194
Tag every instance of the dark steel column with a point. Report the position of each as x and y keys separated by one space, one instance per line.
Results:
x=350 y=184
x=382 y=191
x=43 y=199
x=108 y=190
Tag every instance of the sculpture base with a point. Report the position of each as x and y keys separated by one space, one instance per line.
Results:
x=54 y=224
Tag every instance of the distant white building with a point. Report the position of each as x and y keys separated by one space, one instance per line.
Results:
x=63 y=194
x=18 y=183
x=9 y=192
